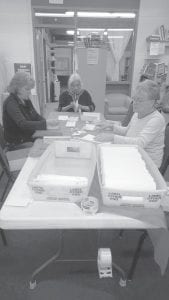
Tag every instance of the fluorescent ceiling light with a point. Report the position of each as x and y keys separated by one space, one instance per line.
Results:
x=67 y=14
x=71 y=32
x=86 y=14
x=115 y=37
x=120 y=29
x=91 y=29
x=89 y=14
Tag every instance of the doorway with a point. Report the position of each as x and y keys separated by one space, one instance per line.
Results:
x=66 y=33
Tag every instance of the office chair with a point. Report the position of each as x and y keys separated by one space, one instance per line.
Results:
x=165 y=160
x=129 y=115
x=6 y=182
x=10 y=146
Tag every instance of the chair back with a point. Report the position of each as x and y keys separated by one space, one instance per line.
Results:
x=117 y=99
x=6 y=178
x=165 y=160
x=2 y=140
x=129 y=115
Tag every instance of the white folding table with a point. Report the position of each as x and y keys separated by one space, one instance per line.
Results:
x=20 y=212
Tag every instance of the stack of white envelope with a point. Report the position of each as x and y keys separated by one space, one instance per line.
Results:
x=123 y=168
x=61 y=180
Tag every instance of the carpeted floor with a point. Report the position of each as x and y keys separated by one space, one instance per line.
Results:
x=28 y=249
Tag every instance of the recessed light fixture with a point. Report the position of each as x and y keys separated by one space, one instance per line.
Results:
x=89 y=14
x=67 y=14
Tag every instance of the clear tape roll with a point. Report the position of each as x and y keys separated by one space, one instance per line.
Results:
x=90 y=205
x=104 y=257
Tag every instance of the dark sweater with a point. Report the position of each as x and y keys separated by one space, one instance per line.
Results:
x=84 y=99
x=20 y=120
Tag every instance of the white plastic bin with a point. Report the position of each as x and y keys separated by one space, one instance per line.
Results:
x=116 y=197
x=63 y=161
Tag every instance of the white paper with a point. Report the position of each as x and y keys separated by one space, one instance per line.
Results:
x=89 y=127
x=154 y=48
x=73 y=119
x=71 y=124
x=50 y=139
x=63 y=118
x=92 y=115
x=92 y=56
x=88 y=137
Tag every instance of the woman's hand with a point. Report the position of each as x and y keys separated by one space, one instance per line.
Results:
x=104 y=126
x=51 y=123
x=75 y=106
x=104 y=137
x=83 y=108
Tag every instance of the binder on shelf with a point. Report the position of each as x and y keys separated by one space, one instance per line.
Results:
x=162 y=33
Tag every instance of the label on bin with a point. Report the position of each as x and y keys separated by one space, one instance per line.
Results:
x=114 y=196
x=154 y=198
x=75 y=191
x=38 y=189
x=64 y=199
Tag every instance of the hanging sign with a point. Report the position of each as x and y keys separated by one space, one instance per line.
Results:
x=92 y=56
x=21 y=67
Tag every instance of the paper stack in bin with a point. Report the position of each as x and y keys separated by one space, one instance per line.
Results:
x=64 y=172
x=129 y=177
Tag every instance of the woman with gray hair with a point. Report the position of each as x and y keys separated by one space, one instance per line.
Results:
x=147 y=125
x=75 y=99
x=20 y=119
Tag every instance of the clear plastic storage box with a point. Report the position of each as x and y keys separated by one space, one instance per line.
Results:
x=64 y=172
x=117 y=197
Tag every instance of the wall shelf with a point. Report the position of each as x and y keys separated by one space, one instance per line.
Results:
x=151 y=40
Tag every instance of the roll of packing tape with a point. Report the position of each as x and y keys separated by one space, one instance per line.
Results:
x=104 y=258
x=90 y=205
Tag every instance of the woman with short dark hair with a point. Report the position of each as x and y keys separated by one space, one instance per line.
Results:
x=20 y=119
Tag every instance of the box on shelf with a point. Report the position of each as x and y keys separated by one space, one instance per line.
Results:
x=114 y=196
x=64 y=172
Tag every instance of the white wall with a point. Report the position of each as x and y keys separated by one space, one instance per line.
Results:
x=152 y=14
x=16 y=38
